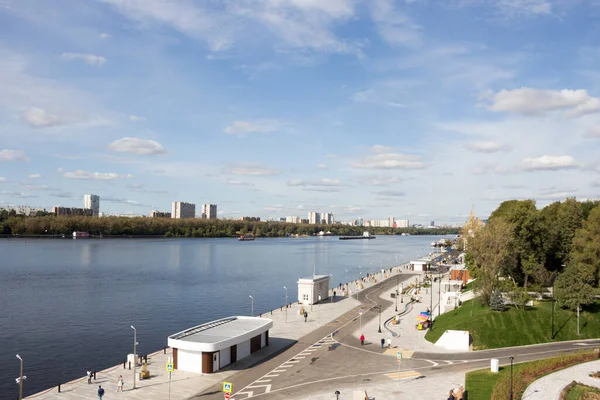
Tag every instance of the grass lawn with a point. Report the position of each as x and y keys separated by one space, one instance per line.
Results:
x=516 y=327
x=577 y=391
x=485 y=385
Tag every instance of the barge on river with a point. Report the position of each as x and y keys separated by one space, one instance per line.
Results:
x=365 y=235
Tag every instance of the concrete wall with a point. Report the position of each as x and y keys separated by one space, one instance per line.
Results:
x=224 y=357
x=190 y=361
x=243 y=349
x=263 y=339
x=454 y=340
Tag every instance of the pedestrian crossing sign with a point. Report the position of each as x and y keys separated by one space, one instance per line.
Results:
x=399 y=356
x=227 y=387
x=169 y=367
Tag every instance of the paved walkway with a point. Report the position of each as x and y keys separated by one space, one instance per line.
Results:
x=434 y=387
x=550 y=386
x=404 y=336
x=184 y=385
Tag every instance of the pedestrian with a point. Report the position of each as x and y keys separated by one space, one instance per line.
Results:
x=334 y=293
x=305 y=316
x=100 y=392
x=89 y=375
x=382 y=342
x=120 y=384
x=459 y=393
x=362 y=339
x=389 y=343
x=451 y=395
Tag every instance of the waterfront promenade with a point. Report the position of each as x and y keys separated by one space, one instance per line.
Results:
x=184 y=385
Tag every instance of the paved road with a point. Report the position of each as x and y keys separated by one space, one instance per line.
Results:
x=321 y=361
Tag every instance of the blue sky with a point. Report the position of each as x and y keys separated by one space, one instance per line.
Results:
x=413 y=108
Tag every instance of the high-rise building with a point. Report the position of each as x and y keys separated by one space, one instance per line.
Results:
x=314 y=217
x=62 y=211
x=180 y=209
x=392 y=222
x=359 y=222
x=292 y=220
x=327 y=218
x=92 y=202
x=209 y=211
x=403 y=223
x=432 y=223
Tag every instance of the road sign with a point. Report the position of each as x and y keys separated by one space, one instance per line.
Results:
x=227 y=395
x=360 y=312
x=169 y=367
x=227 y=387
x=399 y=356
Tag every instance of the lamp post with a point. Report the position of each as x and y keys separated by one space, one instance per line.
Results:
x=252 y=307
x=397 y=291
x=511 y=383
x=553 y=308
x=431 y=287
x=439 y=292
x=402 y=293
x=286 y=304
x=21 y=377
x=379 y=307
x=134 y=352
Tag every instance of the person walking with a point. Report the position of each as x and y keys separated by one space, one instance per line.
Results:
x=382 y=342
x=100 y=392
x=305 y=316
x=362 y=339
x=120 y=384
x=89 y=375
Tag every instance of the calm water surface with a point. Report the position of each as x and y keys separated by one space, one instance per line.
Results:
x=67 y=305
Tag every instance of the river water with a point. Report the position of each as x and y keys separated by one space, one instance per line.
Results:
x=67 y=305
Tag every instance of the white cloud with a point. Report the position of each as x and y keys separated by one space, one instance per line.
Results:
x=124 y=201
x=13 y=155
x=320 y=182
x=2 y=179
x=136 y=118
x=90 y=59
x=141 y=188
x=39 y=118
x=258 y=126
x=137 y=146
x=250 y=169
x=105 y=36
x=322 y=166
x=35 y=176
x=94 y=176
x=389 y=193
x=379 y=180
x=17 y=194
x=277 y=207
x=384 y=158
x=236 y=182
x=394 y=26
x=293 y=24
x=549 y=163
x=488 y=147
x=593 y=132
x=529 y=101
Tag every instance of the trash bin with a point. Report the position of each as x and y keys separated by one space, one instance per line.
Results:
x=494 y=365
x=393 y=295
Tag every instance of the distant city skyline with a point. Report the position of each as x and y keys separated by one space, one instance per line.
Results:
x=413 y=109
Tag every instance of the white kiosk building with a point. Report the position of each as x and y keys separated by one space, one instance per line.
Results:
x=420 y=265
x=312 y=290
x=209 y=347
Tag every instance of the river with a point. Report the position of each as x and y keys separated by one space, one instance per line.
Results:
x=67 y=305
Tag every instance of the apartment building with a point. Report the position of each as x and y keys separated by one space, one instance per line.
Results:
x=72 y=211
x=180 y=209
x=92 y=202
x=314 y=217
x=159 y=214
x=402 y=223
x=209 y=211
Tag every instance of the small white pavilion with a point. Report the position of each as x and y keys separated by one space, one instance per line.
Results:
x=314 y=289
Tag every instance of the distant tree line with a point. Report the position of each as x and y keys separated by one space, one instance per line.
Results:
x=119 y=226
x=523 y=249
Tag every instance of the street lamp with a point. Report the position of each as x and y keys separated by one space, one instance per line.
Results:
x=252 y=309
x=286 y=304
x=397 y=292
x=379 y=330
x=20 y=378
x=134 y=353
x=337 y=394
x=511 y=383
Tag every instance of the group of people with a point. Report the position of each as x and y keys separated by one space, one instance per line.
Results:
x=120 y=384
x=458 y=395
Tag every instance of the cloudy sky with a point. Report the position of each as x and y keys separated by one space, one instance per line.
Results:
x=413 y=108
